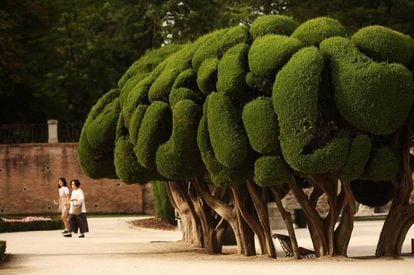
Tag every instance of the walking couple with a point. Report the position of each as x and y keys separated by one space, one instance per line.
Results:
x=73 y=208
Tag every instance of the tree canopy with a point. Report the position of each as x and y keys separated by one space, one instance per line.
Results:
x=251 y=108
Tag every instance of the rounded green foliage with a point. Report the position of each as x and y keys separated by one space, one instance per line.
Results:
x=97 y=140
x=373 y=97
x=207 y=75
x=187 y=79
x=139 y=94
x=155 y=129
x=259 y=83
x=273 y=24
x=184 y=93
x=268 y=54
x=228 y=138
x=383 y=164
x=271 y=171
x=218 y=42
x=314 y=31
x=135 y=123
x=220 y=175
x=179 y=158
x=358 y=158
x=175 y=65
x=232 y=70
x=262 y=128
x=372 y=193
x=142 y=67
x=147 y=63
x=295 y=99
x=383 y=44
x=127 y=167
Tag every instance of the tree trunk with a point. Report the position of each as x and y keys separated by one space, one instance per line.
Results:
x=401 y=215
x=212 y=235
x=261 y=209
x=192 y=231
x=227 y=210
x=344 y=230
x=244 y=206
x=287 y=218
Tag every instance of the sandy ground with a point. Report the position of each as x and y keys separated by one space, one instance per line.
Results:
x=114 y=247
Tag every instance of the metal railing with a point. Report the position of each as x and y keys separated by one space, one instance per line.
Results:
x=38 y=133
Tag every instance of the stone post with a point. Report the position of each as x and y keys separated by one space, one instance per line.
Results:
x=52 y=130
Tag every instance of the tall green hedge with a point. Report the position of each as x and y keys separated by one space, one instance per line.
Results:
x=273 y=24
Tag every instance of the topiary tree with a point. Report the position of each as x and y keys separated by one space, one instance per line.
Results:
x=245 y=112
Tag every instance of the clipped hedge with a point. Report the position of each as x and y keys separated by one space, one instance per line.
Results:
x=97 y=140
x=358 y=157
x=231 y=71
x=383 y=44
x=272 y=171
x=220 y=175
x=3 y=246
x=261 y=125
x=268 y=54
x=373 y=97
x=295 y=99
x=218 y=42
x=155 y=129
x=273 y=24
x=207 y=75
x=383 y=164
x=179 y=158
x=314 y=31
x=31 y=226
x=228 y=138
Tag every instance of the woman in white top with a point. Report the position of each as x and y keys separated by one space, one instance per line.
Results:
x=64 y=202
x=77 y=220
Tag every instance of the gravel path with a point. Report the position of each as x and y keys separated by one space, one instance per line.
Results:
x=114 y=247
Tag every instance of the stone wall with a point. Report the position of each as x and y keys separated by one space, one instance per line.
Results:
x=28 y=182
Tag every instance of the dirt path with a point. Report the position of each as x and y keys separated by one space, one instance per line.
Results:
x=114 y=247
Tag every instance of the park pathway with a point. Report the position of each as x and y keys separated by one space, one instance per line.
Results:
x=114 y=247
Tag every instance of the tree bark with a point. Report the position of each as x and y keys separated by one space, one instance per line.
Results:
x=261 y=209
x=287 y=218
x=192 y=231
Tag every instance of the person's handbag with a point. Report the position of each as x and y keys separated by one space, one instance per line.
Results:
x=76 y=209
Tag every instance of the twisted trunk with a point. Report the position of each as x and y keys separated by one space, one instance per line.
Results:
x=260 y=204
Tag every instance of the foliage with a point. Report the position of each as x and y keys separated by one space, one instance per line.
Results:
x=30 y=226
x=163 y=208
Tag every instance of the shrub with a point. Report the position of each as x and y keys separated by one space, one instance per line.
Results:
x=314 y=31
x=155 y=129
x=272 y=171
x=227 y=136
x=295 y=99
x=30 y=226
x=163 y=207
x=142 y=67
x=135 y=123
x=207 y=75
x=268 y=54
x=373 y=97
x=179 y=158
x=358 y=158
x=261 y=125
x=96 y=144
x=372 y=193
x=218 y=42
x=383 y=164
x=383 y=44
x=220 y=175
x=273 y=24
x=3 y=245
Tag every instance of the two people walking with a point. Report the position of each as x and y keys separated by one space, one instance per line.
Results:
x=73 y=208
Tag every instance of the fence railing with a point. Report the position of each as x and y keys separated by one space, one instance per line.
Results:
x=38 y=133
